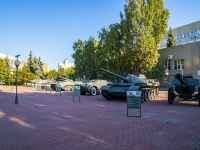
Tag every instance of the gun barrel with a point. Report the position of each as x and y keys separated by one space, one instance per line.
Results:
x=114 y=74
x=180 y=78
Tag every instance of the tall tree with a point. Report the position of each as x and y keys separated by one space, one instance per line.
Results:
x=171 y=41
x=144 y=25
x=7 y=70
x=2 y=66
x=30 y=62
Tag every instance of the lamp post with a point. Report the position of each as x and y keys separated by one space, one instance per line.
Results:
x=17 y=63
x=11 y=78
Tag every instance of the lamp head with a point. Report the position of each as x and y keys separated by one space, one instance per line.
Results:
x=17 y=63
x=17 y=56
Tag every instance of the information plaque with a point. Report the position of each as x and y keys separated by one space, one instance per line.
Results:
x=76 y=91
x=134 y=103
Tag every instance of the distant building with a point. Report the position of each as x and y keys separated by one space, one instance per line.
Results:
x=185 y=34
x=66 y=64
x=12 y=60
x=45 y=68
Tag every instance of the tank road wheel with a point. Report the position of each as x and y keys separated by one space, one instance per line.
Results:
x=93 y=91
x=154 y=93
x=106 y=95
x=150 y=95
x=146 y=98
x=199 y=96
x=170 y=96
x=157 y=92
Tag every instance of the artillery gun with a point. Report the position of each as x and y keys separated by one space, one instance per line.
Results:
x=148 y=87
x=184 y=88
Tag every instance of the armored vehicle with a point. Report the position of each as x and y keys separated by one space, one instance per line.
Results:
x=68 y=84
x=149 y=87
x=92 y=87
x=184 y=88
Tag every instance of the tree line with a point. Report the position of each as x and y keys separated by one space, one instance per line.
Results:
x=130 y=46
x=32 y=70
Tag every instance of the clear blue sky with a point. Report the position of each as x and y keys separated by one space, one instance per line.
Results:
x=49 y=28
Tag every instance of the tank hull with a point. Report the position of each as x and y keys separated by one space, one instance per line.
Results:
x=120 y=91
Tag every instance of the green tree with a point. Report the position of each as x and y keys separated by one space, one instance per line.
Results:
x=51 y=74
x=7 y=70
x=2 y=66
x=158 y=71
x=69 y=73
x=144 y=25
x=30 y=63
x=27 y=75
x=171 y=41
x=78 y=48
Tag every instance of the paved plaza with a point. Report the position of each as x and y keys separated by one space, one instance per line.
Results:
x=45 y=121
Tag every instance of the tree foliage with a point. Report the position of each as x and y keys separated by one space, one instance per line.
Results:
x=2 y=66
x=51 y=74
x=171 y=41
x=35 y=66
x=131 y=45
x=7 y=70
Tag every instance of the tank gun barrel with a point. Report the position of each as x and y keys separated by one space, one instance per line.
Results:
x=121 y=77
x=179 y=77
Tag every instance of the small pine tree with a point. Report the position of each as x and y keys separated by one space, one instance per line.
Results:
x=7 y=70
x=170 y=41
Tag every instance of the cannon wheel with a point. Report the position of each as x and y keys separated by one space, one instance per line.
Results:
x=170 y=96
x=199 y=95
x=106 y=95
x=93 y=91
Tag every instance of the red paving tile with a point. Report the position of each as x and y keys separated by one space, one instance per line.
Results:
x=48 y=122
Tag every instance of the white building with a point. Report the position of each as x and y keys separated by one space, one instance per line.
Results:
x=12 y=60
x=184 y=34
x=65 y=64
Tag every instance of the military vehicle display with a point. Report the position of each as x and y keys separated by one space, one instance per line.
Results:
x=68 y=84
x=149 y=87
x=184 y=88
x=92 y=87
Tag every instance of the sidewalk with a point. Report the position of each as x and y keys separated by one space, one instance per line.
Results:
x=48 y=122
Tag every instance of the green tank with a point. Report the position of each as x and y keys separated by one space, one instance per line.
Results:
x=149 y=87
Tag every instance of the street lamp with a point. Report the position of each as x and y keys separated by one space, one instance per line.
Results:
x=17 y=63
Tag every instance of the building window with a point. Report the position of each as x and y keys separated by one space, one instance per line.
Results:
x=167 y=65
x=198 y=33
x=179 y=64
x=183 y=36
x=166 y=80
x=190 y=34
x=164 y=41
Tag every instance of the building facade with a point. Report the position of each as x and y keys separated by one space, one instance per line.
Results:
x=65 y=64
x=45 y=68
x=185 y=34
x=12 y=61
x=182 y=59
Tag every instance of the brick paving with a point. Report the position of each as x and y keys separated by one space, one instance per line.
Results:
x=48 y=122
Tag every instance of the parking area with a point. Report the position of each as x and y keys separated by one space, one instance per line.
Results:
x=44 y=121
